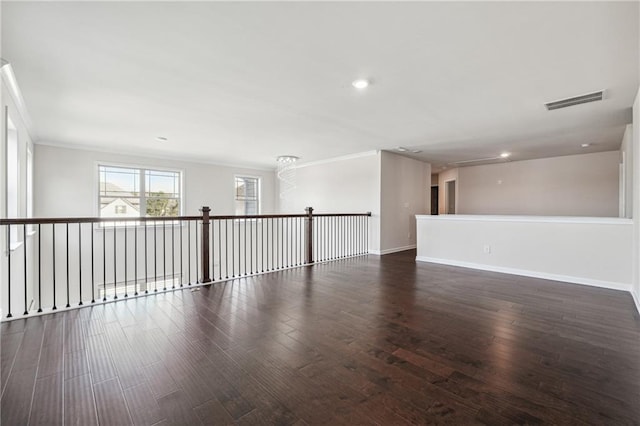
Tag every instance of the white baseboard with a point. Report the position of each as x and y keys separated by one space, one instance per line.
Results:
x=636 y=299
x=535 y=274
x=392 y=250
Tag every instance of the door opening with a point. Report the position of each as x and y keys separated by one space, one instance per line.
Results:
x=450 y=196
x=434 y=199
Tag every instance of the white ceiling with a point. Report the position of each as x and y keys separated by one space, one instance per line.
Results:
x=242 y=83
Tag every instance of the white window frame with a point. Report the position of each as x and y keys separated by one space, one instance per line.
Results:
x=29 y=207
x=12 y=157
x=29 y=190
x=259 y=192
x=141 y=169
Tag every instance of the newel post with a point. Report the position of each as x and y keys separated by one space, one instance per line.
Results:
x=308 y=233
x=204 y=252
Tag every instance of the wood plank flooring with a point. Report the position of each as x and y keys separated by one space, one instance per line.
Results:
x=370 y=340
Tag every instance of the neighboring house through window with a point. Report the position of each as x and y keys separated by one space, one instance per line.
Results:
x=247 y=190
x=139 y=192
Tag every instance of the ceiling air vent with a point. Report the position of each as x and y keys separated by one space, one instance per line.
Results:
x=577 y=100
x=478 y=160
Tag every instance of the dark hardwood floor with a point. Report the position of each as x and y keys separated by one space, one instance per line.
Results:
x=362 y=341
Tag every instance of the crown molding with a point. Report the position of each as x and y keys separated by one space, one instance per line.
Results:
x=341 y=158
x=152 y=155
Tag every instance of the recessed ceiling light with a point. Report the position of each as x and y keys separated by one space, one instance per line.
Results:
x=505 y=155
x=416 y=151
x=401 y=149
x=585 y=145
x=360 y=84
x=161 y=139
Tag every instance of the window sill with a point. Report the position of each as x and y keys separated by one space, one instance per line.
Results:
x=258 y=219
x=150 y=225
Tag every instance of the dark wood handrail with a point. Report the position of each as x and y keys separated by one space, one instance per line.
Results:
x=50 y=220
x=339 y=214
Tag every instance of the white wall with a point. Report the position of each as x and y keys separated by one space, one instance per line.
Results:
x=344 y=185
x=392 y=187
x=66 y=182
x=574 y=185
x=636 y=201
x=405 y=191
x=592 y=251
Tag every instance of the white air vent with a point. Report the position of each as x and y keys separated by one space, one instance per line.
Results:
x=577 y=100
x=478 y=160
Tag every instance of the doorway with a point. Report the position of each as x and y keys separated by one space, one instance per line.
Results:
x=434 y=199
x=450 y=197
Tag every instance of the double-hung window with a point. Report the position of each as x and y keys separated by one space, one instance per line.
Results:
x=139 y=192
x=247 y=190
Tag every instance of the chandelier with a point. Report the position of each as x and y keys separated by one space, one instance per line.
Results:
x=286 y=174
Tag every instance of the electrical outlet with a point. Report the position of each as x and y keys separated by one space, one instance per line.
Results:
x=486 y=248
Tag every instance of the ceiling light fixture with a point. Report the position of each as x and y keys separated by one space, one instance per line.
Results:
x=505 y=155
x=287 y=159
x=416 y=151
x=161 y=139
x=401 y=149
x=585 y=145
x=360 y=84
x=286 y=174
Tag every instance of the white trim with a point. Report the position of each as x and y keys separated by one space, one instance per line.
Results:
x=391 y=250
x=334 y=159
x=192 y=159
x=527 y=273
x=636 y=299
x=146 y=154
x=9 y=78
x=531 y=219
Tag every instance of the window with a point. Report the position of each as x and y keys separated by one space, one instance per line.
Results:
x=13 y=171
x=133 y=192
x=29 y=183
x=12 y=180
x=247 y=195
